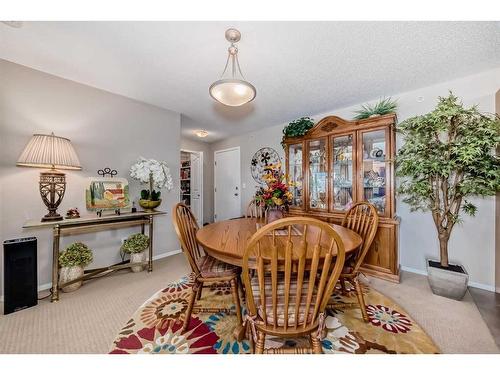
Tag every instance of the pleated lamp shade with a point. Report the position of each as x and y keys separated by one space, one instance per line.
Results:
x=49 y=151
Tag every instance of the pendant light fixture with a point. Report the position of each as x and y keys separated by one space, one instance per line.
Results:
x=201 y=133
x=232 y=89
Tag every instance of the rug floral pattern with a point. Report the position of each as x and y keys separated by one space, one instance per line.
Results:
x=155 y=328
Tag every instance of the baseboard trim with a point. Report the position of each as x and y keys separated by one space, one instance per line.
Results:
x=43 y=287
x=413 y=270
x=489 y=288
x=167 y=254
x=473 y=284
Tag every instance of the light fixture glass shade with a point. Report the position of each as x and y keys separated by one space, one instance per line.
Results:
x=201 y=133
x=49 y=151
x=232 y=92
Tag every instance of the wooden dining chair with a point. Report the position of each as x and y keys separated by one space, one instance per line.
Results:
x=297 y=262
x=205 y=268
x=363 y=219
x=254 y=210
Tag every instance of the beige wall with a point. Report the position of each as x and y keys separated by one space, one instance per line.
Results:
x=106 y=130
x=473 y=242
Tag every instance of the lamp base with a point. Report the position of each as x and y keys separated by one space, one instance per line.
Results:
x=52 y=187
x=52 y=217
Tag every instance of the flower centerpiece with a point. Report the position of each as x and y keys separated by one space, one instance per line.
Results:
x=135 y=245
x=157 y=174
x=275 y=197
x=72 y=261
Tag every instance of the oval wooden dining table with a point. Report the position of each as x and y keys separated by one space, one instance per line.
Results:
x=227 y=240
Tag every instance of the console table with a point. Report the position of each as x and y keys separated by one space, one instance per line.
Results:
x=91 y=224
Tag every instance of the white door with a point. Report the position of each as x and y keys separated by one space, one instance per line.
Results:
x=196 y=186
x=227 y=184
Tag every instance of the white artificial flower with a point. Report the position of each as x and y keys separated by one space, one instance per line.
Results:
x=159 y=170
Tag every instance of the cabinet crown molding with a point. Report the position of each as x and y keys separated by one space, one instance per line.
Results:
x=335 y=124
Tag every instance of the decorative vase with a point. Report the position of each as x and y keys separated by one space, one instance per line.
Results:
x=273 y=214
x=67 y=274
x=149 y=205
x=138 y=258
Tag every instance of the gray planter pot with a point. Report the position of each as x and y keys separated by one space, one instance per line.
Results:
x=138 y=258
x=446 y=283
x=67 y=274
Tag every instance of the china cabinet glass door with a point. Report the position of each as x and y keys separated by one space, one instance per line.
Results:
x=295 y=153
x=318 y=174
x=342 y=172
x=373 y=169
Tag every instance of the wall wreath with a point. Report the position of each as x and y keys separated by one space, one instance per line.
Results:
x=261 y=159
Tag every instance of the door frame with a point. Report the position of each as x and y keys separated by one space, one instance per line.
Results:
x=236 y=148
x=200 y=154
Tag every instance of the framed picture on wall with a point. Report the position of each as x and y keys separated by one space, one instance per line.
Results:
x=107 y=193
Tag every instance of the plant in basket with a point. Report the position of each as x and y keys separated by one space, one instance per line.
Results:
x=136 y=245
x=275 y=197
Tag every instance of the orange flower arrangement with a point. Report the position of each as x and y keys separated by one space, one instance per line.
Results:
x=276 y=193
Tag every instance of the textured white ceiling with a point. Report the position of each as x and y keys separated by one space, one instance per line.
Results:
x=298 y=68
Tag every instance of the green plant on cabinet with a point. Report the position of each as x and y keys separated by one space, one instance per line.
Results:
x=297 y=128
x=382 y=107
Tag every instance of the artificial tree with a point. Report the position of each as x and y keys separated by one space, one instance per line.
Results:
x=448 y=156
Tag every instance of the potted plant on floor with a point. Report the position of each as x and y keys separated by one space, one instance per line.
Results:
x=72 y=261
x=136 y=245
x=447 y=158
x=157 y=175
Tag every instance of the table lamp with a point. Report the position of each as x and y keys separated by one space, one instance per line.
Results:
x=50 y=151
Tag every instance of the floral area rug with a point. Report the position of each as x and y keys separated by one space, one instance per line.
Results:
x=156 y=326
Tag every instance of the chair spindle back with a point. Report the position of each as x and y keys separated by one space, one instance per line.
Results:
x=363 y=219
x=186 y=227
x=254 y=210
x=303 y=257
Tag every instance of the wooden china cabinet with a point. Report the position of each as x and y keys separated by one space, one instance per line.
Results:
x=338 y=163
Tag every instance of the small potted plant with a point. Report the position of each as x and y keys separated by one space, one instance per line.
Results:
x=297 y=128
x=275 y=197
x=382 y=107
x=72 y=261
x=135 y=245
x=157 y=174
x=447 y=158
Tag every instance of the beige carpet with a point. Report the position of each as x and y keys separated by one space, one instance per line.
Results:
x=455 y=326
x=88 y=320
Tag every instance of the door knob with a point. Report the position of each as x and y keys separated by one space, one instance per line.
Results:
x=235 y=194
